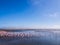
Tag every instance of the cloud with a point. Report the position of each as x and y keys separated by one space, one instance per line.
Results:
x=35 y=2
x=53 y=26
x=54 y=15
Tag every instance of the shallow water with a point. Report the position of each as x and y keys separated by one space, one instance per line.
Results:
x=40 y=37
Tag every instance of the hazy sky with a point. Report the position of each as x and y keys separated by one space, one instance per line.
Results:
x=30 y=13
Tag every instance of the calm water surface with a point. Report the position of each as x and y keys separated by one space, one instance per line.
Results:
x=40 y=37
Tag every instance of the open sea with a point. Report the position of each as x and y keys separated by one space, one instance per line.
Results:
x=32 y=37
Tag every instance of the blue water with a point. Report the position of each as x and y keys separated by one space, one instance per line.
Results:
x=40 y=37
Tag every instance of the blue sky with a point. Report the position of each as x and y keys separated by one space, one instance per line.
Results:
x=30 y=13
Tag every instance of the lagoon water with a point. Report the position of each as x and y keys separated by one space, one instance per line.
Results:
x=39 y=37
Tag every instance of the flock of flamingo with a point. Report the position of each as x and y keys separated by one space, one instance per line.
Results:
x=15 y=34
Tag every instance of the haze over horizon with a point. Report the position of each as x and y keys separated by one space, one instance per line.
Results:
x=30 y=13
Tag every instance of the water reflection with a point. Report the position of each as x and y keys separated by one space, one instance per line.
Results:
x=30 y=37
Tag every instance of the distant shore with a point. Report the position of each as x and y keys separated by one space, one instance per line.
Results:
x=29 y=29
